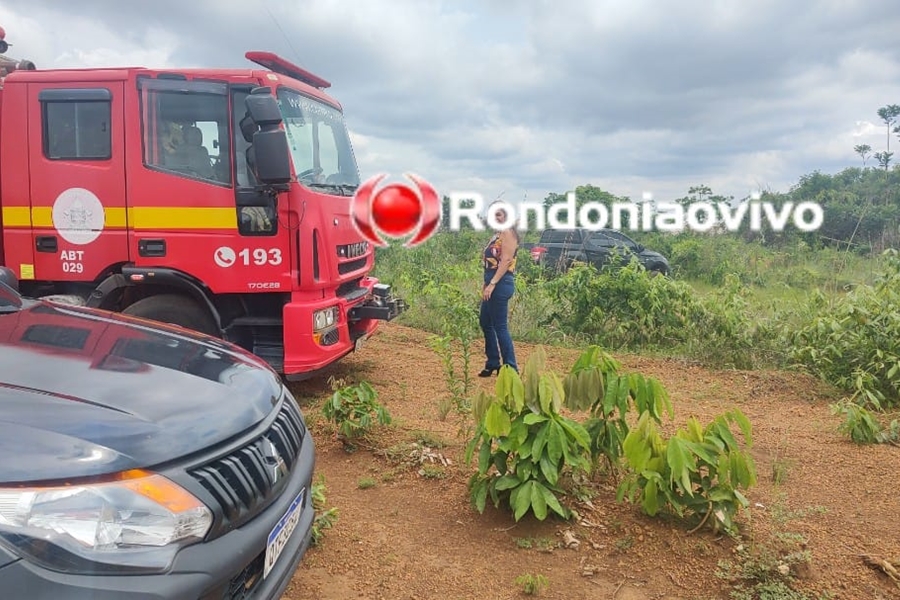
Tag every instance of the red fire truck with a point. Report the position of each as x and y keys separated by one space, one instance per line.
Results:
x=214 y=199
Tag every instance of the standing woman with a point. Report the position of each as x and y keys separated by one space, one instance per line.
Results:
x=499 y=285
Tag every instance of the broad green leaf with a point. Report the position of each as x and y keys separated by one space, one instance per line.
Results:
x=540 y=440
x=553 y=502
x=637 y=387
x=480 y=405
x=536 y=362
x=499 y=460
x=558 y=393
x=525 y=452
x=707 y=452
x=694 y=430
x=507 y=482
x=744 y=423
x=522 y=501
x=636 y=450
x=532 y=384
x=496 y=421
x=480 y=495
x=622 y=395
x=470 y=445
x=593 y=386
x=650 y=503
x=555 y=442
x=484 y=456
x=722 y=431
x=518 y=433
x=720 y=494
x=660 y=392
x=549 y=469
x=576 y=431
x=524 y=469
x=742 y=472
x=538 y=502
x=518 y=393
x=532 y=418
x=502 y=385
x=612 y=393
x=545 y=394
x=680 y=463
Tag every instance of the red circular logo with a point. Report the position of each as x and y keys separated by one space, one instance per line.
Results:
x=397 y=210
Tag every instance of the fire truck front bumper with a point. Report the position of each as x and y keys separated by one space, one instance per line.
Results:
x=381 y=306
x=321 y=333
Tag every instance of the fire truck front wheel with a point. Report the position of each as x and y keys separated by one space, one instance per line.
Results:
x=175 y=310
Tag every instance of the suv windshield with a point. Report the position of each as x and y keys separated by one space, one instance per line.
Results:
x=320 y=144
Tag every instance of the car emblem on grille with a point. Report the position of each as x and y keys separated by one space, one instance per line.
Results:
x=353 y=250
x=275 y=465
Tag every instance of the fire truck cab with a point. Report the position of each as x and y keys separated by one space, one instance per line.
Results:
x=214 y=199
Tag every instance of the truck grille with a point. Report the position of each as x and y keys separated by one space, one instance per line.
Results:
x=353 y=265
x=244 y=482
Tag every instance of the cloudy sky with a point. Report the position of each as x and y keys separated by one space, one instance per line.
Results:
x=516 y=98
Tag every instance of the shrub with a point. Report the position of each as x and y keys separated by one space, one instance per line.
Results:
x=355 y=409
x=697 y=471
x=524 y=445
x=854 y=343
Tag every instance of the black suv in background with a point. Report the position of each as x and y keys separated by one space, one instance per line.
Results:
x=558 y=249
x=143 y=461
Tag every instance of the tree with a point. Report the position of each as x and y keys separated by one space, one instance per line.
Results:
x=585 y=194
x=884 y=159
x=700 y=190
x=863 y=150
x=889 y=115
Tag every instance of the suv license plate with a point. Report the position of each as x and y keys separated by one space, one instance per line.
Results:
x=281 y=533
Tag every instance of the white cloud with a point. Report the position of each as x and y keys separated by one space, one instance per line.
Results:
x=540 y=96
x=77 y=42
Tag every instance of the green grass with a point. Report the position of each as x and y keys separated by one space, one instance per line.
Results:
x=770 y=293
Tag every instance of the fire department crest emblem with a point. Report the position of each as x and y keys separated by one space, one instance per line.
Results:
x=78 y=216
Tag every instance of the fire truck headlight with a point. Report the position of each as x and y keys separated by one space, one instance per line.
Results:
x=322 y=319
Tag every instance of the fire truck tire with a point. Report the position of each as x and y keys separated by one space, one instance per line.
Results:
x=176 y=310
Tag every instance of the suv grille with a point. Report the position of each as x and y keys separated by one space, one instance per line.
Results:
x=242 y=585
x=245 y=481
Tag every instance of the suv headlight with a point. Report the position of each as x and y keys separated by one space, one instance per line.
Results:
x=137 y=522
x=325 y=318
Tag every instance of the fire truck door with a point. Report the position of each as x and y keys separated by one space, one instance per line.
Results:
x=77 y=188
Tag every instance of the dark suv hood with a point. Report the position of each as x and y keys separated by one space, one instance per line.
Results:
x=85 y=393
x=652 y=255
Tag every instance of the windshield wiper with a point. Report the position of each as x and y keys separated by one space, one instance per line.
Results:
x=327 y=186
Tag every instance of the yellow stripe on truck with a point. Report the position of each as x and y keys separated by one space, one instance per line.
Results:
x=155 y=217
x=142 y=217
x=16 y=216
x=42 y=216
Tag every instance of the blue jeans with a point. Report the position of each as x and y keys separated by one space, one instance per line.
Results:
x=498 y=344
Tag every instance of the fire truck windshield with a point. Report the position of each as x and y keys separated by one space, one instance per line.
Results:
x=320 y=145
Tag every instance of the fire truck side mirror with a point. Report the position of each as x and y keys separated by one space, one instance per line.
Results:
x=271 y=159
